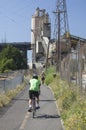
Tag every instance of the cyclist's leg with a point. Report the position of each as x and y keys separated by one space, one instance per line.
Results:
x=30 y=100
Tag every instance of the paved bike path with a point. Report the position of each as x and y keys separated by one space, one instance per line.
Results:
x=47 y=117
x=16 y=117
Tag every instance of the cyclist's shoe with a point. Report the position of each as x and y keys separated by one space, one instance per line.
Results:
x=30 y=109
x=37 y=107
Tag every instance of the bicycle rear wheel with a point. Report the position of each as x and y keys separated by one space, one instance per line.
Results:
x=33 y=114
x=33 y=107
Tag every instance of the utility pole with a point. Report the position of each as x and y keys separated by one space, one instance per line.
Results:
x=79 y=64
x=61 y=30
x=47 y=53
x=59 y=44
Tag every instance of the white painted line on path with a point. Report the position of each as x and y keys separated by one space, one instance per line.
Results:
x=24 y=121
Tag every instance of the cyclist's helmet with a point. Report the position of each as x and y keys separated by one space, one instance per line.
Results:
x=35 y=76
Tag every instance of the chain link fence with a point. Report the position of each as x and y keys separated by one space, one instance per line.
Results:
x=73 y=66
x=11 y=80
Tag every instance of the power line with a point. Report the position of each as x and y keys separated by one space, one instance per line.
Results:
x=12 y=20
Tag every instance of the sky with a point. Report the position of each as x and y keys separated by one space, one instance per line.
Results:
x=15 y=18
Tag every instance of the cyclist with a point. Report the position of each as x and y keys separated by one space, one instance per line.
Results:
x=34 y=89
x=43 y=77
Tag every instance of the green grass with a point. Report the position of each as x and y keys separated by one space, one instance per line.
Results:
x=71 y=102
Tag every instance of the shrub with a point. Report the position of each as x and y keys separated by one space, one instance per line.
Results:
x=49 y=75
x=4 y=100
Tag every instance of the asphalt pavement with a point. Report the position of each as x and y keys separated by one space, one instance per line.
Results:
x=15 y=116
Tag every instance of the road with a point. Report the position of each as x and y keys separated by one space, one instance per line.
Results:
x=16 y=117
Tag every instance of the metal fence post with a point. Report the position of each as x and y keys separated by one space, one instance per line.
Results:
x=4 y=85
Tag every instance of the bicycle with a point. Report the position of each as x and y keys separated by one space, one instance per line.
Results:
x=43 y=79
x=33 y=106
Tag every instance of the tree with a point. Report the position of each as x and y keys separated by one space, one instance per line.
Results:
x=11 y=59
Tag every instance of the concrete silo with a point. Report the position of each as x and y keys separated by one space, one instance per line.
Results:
x=39 y=22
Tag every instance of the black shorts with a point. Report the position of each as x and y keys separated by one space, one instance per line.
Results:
x=31 y=92
x=43 y=78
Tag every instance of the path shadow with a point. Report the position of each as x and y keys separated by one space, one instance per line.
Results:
x=47 y=116
x=21 y=99
x=48 y=100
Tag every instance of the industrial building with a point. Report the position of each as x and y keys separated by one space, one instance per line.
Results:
x=40 y=34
